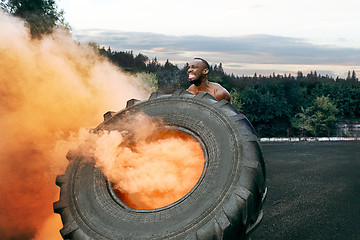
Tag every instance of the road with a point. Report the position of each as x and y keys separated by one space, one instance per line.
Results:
x=313 y=191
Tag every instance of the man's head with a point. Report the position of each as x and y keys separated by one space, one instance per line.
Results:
x=198 y=71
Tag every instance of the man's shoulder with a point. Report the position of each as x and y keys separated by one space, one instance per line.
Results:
x=217 y=86
x=220 y=91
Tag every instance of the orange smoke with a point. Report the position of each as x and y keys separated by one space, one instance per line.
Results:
x=49 y=88
x=149 y=168
x=50 y=91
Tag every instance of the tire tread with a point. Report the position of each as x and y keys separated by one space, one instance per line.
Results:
x=238 y=209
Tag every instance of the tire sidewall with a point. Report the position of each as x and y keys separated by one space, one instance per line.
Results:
x=100 y=216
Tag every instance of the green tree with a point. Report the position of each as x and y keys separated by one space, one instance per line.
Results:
x=149 y=80
x=41 y=16
x=140 y=62
x=348 y=76
x=300 y=75
x=318 y=118
x=169 y=66
x=154 y=65
x=236 y=100
x=353 y=76
x=347 y=98
x=220 y=69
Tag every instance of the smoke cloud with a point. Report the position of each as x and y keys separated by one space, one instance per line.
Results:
x=49 y=89
x=51 y=92
x=150 y=165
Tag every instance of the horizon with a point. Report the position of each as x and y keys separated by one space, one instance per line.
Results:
x=284 y=74
x=246 y=37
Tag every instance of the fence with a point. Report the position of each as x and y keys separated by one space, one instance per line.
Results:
x=342 y=131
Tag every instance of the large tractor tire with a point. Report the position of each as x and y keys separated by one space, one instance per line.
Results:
x=225 y=203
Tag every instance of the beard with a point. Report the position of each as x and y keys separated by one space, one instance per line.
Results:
x=196 y=82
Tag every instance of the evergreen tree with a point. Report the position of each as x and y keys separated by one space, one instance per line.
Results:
x=348 y=76
x=353 y=76
x=220 y=69
x=169 y=66
x=140 y=62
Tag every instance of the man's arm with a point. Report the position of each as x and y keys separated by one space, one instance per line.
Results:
x=223 y=94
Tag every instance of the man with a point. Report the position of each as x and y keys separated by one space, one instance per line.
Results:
x=198 y=77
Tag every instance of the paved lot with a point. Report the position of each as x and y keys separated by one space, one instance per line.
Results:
x=313 y=191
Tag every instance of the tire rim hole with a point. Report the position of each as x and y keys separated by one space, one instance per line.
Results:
x=168 y=195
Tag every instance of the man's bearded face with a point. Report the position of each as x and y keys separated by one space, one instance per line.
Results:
x=197 y=71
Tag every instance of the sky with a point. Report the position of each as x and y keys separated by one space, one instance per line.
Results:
x=246 y=36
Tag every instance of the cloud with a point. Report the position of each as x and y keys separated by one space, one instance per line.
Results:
x=264 y=49
x=240 y=55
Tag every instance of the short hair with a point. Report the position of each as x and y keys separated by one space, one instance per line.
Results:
x=204 y=61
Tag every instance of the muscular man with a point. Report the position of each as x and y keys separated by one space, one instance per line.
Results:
x=198 y=76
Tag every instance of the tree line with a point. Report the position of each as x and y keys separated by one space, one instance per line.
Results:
x=308 y=104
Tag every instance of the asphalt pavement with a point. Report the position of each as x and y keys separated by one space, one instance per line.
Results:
x=313 y=191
